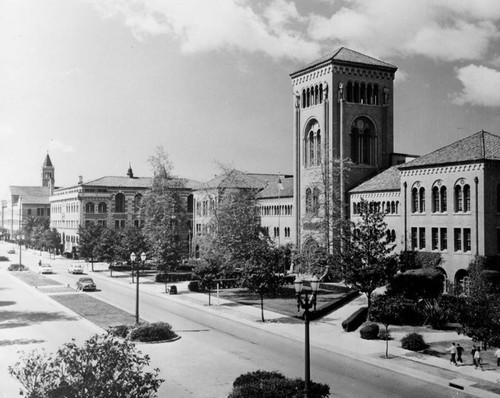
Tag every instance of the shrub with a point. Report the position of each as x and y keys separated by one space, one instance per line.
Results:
x=355 y=320
x=413 y=342
x=384 y=334
x=17 y=267
x=434 y=314
x=194 y=286
x=453 y=305
x=119 y=331
x=274 y=384
x=157 y=331
x=173 y=277
x=417 y=283
x=73 y=371
x=369 y=332
x=3 y=258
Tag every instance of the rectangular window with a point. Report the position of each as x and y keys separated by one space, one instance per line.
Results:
x=435 y=238
x=414 y=239
x=421 y=238
x=467 y=240
x=444 y=239
x=122 y=224
x=29 y=212
x=117 y=224
x=136 y=223
x=457 y=233
x=104 y=223
x=48 y=212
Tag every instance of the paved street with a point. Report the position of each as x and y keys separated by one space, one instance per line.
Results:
x=212 y=350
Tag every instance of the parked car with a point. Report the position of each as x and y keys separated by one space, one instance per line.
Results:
x=85 y=284
x=11 y=251
x=45 y=269
x=75 y=269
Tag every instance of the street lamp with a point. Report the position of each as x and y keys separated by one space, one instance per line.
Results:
x=143 y=259
x=306 y=303
x=21 y=238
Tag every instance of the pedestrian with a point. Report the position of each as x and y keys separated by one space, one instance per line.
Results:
x=453 y=351
x=477 y=358
x=460 y=350
x=497 y=355
x=39 y=263
x=472 y=353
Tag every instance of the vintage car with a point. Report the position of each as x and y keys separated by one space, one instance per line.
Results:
x=45 y=269
x=85 y=283
x=75 y=269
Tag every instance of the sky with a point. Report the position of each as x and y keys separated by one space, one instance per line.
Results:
x=101 y=84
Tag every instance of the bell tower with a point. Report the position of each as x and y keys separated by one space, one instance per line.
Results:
x=343 y=109
x=48 y=173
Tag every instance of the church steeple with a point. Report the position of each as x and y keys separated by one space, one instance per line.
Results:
x=48 y=172
x=130 y=173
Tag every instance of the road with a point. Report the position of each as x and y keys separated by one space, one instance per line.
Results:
x=213 y=351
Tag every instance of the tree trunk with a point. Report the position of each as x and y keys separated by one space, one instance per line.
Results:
x=262 y=307
x=369 y=297
x=209 y=296
x=387 y=341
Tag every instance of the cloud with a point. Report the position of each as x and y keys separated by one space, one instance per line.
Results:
x=480 y=86
x=58 y=146
x=208 y=25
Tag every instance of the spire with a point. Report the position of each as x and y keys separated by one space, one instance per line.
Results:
x=47 y=162
x=130 y=173
x=48 y=172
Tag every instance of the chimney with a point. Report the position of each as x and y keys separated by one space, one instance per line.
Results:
x=80 y=180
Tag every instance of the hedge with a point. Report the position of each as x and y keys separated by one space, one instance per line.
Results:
x=369 y=332
x=173 y=277
x=355 y=320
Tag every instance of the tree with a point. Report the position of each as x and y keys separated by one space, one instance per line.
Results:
x=386 y=310
x=262 y=275
x=207 y=272
x=89 y=237
x=165 y=214
x=106 y=246
x=366 y=256
x=103 y=367
x=130 y=240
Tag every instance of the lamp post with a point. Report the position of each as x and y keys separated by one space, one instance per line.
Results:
x=21 y=238
x=306 y=302
x=143 y=259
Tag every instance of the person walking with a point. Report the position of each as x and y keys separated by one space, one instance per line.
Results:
x=460 y=351
x=497 y=355
x=477 y=358
x=453 y=351
x=472 y=353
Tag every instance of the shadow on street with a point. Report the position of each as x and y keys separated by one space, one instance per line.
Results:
x=16 y=319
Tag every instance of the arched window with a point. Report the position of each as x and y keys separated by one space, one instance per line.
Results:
x=304 y=100
x=137 y=202
x=466 y=198
x=89 y=208
x=414 y=200
x=444 y=199
x=318 y=147
x=190 y=203
x=435 y=200
x=458 y=199
x=311 y=148
x=363 y=141
x=362 y=89
x=308 y=97
x=393 y=208
x=312 y=144
x=315 y=200
x=376 y=99
x=356 y=93
x=309 y=203
x=120 y=203
x=369 y=93
x=350 y=90
x=421 y=195
x=321 y=93
x=102 y=208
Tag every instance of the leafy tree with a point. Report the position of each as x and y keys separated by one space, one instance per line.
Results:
x=130 y=240
x=262 y=275
x=103 y=367
x=89 y=237
x=106 y=246
x=366 y=256
x=165 y=214
x=207 y=271
x=386 y=310
x=416 y=284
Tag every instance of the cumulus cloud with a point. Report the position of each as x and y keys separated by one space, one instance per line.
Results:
x=58 y=146
x=480 y=86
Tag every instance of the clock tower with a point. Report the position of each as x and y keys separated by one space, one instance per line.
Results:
x=48 y=173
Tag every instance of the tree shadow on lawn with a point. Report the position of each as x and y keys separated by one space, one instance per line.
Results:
x=16 y=319
x=7 y=303
x=4 y=343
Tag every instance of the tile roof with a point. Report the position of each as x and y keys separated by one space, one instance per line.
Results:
x=272 y=188
x=344 y=55
x=236 y=179
x=387 y=180
x=476 y=147
x=31 y=195
x=127 y=182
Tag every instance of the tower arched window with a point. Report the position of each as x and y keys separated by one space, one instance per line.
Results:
x=356 y=93
x=318 y=147
x=312 y=144
x=120 y=203
x=304 y=99
x=311 y=148
x=315 y=199
x=309 y=202
x=363 y=141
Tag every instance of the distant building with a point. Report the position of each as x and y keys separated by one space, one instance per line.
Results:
x=28 y=201
x=111 y=202
x=274 y=194
x=445 y=202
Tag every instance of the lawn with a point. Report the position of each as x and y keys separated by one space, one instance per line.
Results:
x=286 y=302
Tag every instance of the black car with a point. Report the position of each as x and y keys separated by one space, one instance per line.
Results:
x=85 y=284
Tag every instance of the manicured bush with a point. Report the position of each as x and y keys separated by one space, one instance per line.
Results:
x=369 y=332
x=17 y=267
x=416 y=284
x=194 y=286
x=157 y=331
x=384 y=334
x=173 y=277
x=120 y=330
x=3 y=258
x=413 y=342
x=355 y=320
x=275 y=385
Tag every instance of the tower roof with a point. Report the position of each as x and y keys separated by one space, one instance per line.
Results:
x=476 y=147
x=344 y=56
x=47 y=162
